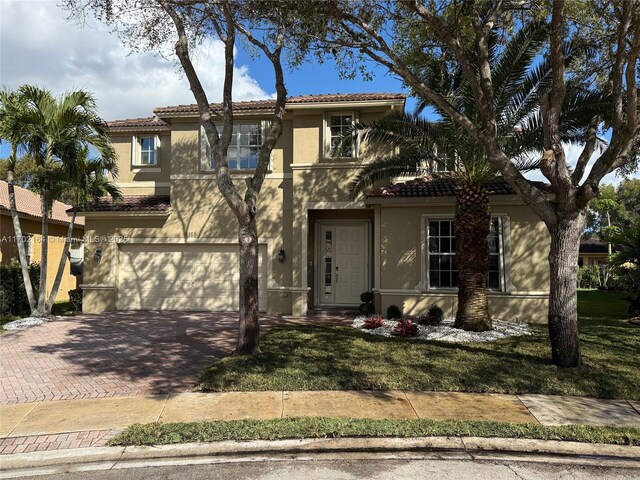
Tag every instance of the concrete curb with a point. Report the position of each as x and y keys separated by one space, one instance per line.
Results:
x=470 y=448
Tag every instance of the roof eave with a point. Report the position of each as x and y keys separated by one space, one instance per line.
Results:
x=139 y=129
x=496 y=199
x=28 y=216
x=294 y=106
x=120 y=214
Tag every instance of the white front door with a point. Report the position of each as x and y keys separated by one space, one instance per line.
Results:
x=342 y=271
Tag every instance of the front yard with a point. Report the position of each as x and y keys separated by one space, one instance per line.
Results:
x=342 y=358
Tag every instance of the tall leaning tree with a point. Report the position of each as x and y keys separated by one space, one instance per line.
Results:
x=81 y=182
x=12 y=107
x=401 y=35
x=151 y=24
x=45 y=127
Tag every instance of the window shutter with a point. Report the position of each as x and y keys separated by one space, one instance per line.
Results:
x=326 y=148
x=134 y=150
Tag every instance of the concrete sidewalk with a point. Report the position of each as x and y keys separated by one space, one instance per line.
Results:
x=111 y=414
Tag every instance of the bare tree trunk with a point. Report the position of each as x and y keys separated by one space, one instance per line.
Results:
x=225 y=23
x=248 y=326
x=22 y=255
x=61 y=265
x=473 y=225
x=42 y=293
x=563 y=309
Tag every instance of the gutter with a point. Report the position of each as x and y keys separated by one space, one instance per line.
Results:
x=458 y=448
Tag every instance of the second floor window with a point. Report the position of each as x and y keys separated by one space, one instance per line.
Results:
x=145 y=150
x=244 y=148
x=342 y=139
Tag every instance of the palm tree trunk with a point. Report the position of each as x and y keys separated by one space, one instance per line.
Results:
x=42 y=293
x=473 y=224
x=22 y=255
x=563 y=309
x=248 y=326
x=61 y=265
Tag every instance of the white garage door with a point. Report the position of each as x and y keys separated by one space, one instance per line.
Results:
x=182 y=277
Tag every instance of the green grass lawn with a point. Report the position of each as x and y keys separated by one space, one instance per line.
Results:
x=168 y=433
x=342 y=358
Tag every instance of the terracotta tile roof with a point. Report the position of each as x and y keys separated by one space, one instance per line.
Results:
x=148 y=122
x=30 y=204
x=133 y=203
x=267 y=104
x=435 y=187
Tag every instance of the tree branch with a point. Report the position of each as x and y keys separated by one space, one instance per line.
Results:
x=587 y=151
x=219 y=144
x=625 y=127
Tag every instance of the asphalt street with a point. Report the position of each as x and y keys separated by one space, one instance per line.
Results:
x=358 y=469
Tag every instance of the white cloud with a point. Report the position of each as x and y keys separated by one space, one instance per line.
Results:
x=572 y=152
x=39 y=46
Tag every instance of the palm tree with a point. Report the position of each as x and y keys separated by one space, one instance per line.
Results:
x=11 y=108
x=50 y=129
x=83 y=181
x=427 y=146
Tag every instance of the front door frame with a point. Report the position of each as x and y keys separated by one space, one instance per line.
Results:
x=319 y=263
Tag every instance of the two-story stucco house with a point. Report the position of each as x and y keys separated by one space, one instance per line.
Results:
x=172 y=242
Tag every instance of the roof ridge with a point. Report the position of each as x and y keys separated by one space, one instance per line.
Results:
x=317 y=97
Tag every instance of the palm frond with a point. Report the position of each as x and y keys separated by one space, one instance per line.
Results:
x=384 y=170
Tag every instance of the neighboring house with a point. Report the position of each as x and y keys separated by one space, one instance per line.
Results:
x=171 y=243
x=29 y=209
x=593 y=252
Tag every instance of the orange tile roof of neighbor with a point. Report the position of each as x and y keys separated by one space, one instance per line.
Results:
x=30 y=204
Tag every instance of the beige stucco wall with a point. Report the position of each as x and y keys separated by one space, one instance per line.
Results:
x=302 y=187
x=145 y=180
x=57 y=238
x=402 y=260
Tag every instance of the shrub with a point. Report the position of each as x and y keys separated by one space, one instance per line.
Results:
x=405 y=328
x=75 y=297
x=372 y=323
x=367 y=307
x=13 y=295
x=393 y=312
x=433 y=317
x=436 y=314
x=589 y=277
x=366 y=297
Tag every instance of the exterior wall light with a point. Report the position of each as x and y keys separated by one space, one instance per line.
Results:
x=97 y=256
x=281 y=255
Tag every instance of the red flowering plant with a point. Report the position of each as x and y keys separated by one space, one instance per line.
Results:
x=405 y=328
x=374 y=322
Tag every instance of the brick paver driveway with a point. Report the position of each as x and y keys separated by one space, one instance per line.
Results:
x=118 y=353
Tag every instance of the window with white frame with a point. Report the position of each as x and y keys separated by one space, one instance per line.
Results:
x=244 y=148
x=442 y=269
x=145 y=150
x=341 y=136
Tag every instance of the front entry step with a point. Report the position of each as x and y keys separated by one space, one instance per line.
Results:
x=332 y=312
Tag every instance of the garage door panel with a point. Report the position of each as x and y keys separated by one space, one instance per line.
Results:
x=185 y=274
x=182 y=277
